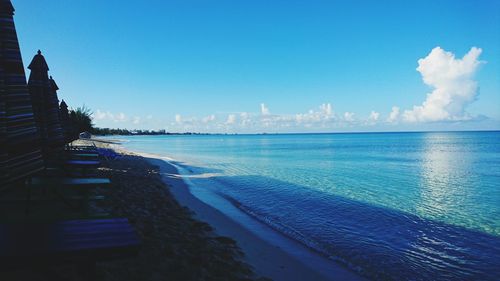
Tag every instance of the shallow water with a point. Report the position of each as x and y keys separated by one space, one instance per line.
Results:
x=397 y=206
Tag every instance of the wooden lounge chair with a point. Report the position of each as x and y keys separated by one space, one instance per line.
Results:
x=83 y=164
x=81 y=147
x=56 y=185
x=84 y=155
x=63 y=181
x=80 y=242
x=70 y=164
x=71 y=167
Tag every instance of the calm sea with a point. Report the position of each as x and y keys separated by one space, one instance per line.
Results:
x=392 y=206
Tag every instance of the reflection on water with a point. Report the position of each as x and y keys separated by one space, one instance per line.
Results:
x=439 y=166
x=451 y=188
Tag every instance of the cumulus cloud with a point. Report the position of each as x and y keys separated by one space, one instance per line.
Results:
x=264 y=110
x=136 y=120
x=108 y=116
x=178 y=118
x=231 y=119
x=100 y=115
x=349 y=116
x=373 y=118
x=245 y=119
x=208 y=118
x=326 y=109
x=394 y=115
x=121 y=117
x=453 y=86
x=324 y=114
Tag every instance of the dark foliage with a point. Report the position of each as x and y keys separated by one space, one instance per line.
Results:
x=81 y=119
x=125 y=132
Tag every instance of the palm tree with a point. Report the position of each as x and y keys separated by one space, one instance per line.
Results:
x=81 y=120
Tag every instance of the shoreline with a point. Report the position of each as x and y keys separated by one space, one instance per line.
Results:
x=280 y=259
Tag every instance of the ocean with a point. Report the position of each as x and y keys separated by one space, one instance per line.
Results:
x=391 y=206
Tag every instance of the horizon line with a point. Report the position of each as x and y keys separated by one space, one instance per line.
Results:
x=313 y=133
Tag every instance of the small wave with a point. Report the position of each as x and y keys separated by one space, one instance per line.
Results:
x=290 y=233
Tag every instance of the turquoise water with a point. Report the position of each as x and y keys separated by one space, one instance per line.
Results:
x=398 y=206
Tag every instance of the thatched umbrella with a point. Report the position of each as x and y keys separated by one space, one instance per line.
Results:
x=4 y=156
x=65 y=121
x=22 y=143
x=43 y=93
x=38 y=86
x=73 y=120
x=55 y=130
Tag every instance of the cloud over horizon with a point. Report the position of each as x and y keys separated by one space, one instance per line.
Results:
x=453 y=89
x=453 y=86
x=106 y=115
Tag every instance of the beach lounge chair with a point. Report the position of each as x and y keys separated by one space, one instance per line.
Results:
x=80 y=242
x=83 y=165
x=81 y=147
x=84 y=154
x=70 y=168
x=64 y=181
x=89 y=150
x=57 y=185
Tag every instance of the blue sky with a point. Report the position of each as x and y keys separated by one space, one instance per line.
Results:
x=272 y=66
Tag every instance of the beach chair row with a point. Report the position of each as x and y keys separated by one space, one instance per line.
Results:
x=82 y=242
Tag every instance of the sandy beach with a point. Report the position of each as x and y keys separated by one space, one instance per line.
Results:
x=267 y=259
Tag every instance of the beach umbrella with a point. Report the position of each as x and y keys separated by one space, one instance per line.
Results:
x=73 y=120
x=20 y=153
x=3 y=132
x=65 y=122
x=54 y=127
x=38 y=86
x=69 y=121
x=43 y=91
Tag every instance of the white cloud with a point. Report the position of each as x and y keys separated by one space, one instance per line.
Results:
x=373 y=118
x=394 y=115
x=100 y=115
x=121 y=117
x=106 y=115
x=245 y=119
x=323 y=118
x=208 y=118
x=349 y=116
x=231 y=119
x=149 y=117
x=264 y=110
x=454 y=87
x=326 y=108
x=136 y=120
x=324 y=114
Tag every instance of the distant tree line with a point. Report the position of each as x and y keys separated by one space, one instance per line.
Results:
x=80 y=120
x=126 y=132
